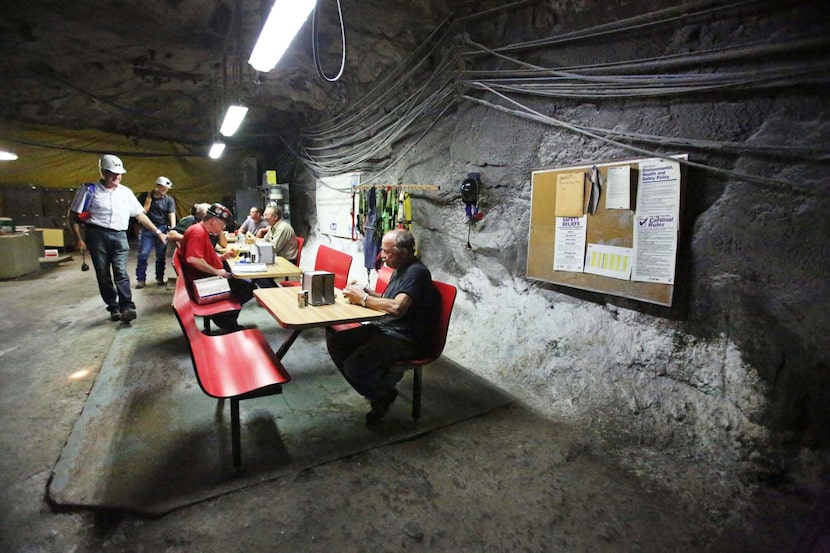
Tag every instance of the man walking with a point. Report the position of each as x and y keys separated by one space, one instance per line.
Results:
x=105 y=209
x=161 y=210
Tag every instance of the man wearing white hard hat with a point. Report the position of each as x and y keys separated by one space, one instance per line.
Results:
x=161 y=210
x=105 y=208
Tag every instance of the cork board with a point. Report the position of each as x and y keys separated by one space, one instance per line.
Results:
x=609 y=227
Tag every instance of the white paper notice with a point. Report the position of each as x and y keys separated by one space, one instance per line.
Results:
x=618 y=187
x=610 y=261
x=569 y=246
x=658 y=192
x=655 y=247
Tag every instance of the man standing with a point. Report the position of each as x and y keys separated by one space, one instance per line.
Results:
x=161 y=210
x=280 y=234
x=365 y=355
x=105 y=208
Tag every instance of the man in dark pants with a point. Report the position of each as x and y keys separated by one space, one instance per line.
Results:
x=365 y=355
x=105 y=209
x=161 y=210
x=201 y=261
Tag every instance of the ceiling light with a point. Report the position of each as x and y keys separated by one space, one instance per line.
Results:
x=216 y=150
x=233 y=118
x=7 y=156
x=284 y=21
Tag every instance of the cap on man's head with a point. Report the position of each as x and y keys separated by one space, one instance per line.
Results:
x=164 y=181
x=220 y=212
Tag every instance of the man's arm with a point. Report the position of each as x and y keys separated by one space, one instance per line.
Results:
x=205 y=267
x=397 y=306
x=148 y=224
x=75 y=227
x=174 y=236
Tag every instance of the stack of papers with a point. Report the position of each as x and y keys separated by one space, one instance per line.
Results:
x=249 y=268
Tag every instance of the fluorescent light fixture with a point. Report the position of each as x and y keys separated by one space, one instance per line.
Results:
x=7 y=156
x=216 y=150
x=284 y=21
x=233 y=118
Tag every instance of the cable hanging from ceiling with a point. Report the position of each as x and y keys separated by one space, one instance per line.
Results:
x=315 y=49
x=362 y=137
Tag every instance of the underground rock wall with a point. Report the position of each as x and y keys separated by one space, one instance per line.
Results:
x=733 y=378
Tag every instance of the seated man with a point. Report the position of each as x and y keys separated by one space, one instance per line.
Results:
x=365 y=355
x=281 y=235
x=197 y=213
x=201 y=260
x=253 y=224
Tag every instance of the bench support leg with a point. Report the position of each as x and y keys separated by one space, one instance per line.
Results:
x=236 y=442
x=416 y=393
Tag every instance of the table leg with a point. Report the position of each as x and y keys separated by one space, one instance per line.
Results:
x=287 y=343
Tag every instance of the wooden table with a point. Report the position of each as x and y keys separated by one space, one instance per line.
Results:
x=280 y=268
x=281 y=303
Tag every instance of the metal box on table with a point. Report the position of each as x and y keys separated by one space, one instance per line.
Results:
x=320 y=286
x=265 y=252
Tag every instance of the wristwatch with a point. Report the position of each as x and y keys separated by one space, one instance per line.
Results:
x=363 y=299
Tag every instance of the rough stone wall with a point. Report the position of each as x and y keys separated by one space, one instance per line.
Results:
x=735 y=374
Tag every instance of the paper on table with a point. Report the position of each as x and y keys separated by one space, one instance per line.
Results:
x=249 y=268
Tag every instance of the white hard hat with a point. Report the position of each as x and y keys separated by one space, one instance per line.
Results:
x=111 y=163
x=164 y=181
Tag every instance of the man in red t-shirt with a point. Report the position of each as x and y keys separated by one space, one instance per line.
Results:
x=201 y=260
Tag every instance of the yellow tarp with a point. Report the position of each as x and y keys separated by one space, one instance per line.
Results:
x=60 y=158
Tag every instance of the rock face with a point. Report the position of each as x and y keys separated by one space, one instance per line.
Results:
x=735 y=374
x=167 y=70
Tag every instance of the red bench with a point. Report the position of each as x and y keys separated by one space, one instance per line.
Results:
x=207 y=310
x=236 y=366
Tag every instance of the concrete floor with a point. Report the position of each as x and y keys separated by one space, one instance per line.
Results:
x=510 y=480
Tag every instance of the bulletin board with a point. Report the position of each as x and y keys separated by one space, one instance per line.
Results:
x=604 y=227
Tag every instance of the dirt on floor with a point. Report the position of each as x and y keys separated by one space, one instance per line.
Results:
x=511 y=480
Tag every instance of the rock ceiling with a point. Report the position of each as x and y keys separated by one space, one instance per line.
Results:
x=166 y=69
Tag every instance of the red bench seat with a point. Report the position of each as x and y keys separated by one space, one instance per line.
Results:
x=236 y=366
